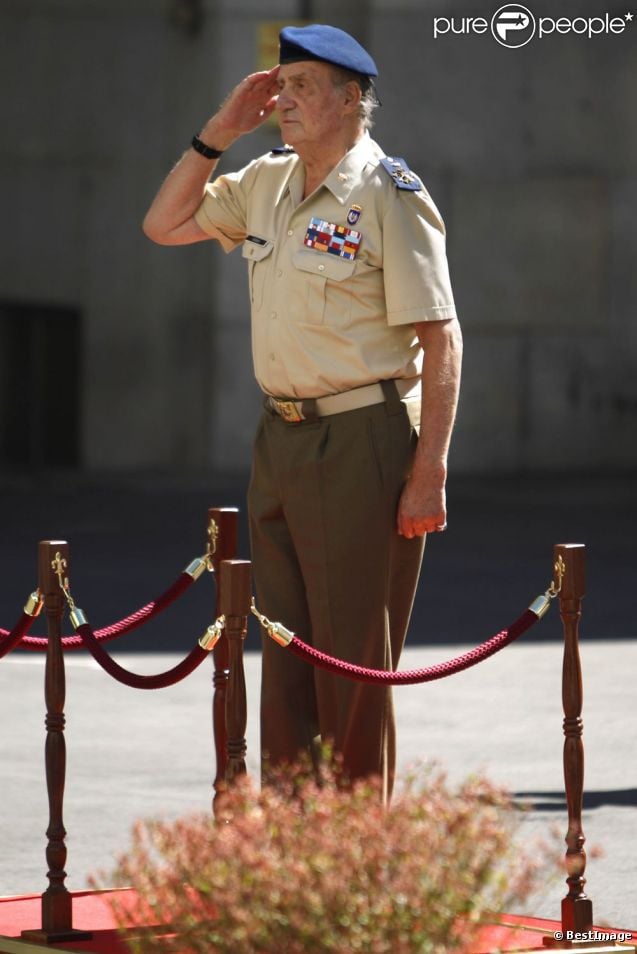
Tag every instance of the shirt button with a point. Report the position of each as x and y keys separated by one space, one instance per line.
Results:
x=321 y=268
x=279 y=272
x=290 y=231
x=272 y=357
x=273 y=314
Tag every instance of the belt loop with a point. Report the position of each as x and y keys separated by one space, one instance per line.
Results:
x=392 y=398
x=308 y=407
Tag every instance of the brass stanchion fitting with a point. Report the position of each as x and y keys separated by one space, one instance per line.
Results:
x=213 y=634
x=540 y=605
x=280 y=634
x=277 y=631
x=76 y=615
x=197 y=568
x=213 y=537
x=559 y=568
x=34 y=604
x=77 y=618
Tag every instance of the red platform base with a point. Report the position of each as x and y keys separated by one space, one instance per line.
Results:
x=91 y=912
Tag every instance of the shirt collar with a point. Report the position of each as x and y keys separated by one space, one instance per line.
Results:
x=345 y=176
x=290 y=182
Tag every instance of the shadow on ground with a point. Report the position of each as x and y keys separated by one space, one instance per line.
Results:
x=556 y=801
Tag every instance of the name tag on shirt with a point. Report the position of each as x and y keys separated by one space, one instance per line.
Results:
x=332 y=238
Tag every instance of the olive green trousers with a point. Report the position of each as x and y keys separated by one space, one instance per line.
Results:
x=330 y=565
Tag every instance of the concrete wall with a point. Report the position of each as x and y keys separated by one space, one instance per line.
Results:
x=531 y=155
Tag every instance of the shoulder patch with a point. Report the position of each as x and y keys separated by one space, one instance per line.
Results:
x=282 y=151
x=401 y=174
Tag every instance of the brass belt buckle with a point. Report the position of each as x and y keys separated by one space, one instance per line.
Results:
x=288 y=411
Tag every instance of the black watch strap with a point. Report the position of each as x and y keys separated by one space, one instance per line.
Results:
x=207 y=151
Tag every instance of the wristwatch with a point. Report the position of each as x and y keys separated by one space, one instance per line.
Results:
x=208 y=152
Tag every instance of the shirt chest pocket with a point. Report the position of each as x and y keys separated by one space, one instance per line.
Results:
x=320 y=291
x=257 y=252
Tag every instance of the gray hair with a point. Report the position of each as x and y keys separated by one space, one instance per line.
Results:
x=369 y=99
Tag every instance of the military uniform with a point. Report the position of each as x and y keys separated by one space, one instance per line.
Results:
x=337 y=281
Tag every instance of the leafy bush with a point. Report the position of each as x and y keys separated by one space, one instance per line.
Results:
x=307 y=866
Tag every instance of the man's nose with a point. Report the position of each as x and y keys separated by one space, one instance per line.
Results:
x=284 y=101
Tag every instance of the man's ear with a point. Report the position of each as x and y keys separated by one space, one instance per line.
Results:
x=352 y=96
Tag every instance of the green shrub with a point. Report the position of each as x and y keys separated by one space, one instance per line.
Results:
x=315 y=867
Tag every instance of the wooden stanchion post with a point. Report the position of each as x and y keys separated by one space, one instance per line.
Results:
x=236 y=591
x=222 y=545
x=577 y=908
x=569 y=561
x=57 y=912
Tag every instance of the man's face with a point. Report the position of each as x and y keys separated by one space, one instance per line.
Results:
x=311 y=109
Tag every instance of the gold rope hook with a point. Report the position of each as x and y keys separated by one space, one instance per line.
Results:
x=559 y=569
x=59 y=565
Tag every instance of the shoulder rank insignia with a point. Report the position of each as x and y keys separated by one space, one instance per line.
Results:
x=400 y=172
x=282 y=151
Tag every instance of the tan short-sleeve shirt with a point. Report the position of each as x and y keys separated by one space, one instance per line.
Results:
x=322 y=323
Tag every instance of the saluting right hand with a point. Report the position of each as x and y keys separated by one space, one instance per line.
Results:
x=249 y=104
x=170 y=219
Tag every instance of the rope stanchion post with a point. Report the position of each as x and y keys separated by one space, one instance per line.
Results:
x=236 y=586
x=577 y=908
x=57 y=913
x=569 y=561
x=222 y=545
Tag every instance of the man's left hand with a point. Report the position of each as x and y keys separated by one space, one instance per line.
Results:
x=422 y=508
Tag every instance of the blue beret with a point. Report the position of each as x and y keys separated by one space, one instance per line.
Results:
x=327 y=43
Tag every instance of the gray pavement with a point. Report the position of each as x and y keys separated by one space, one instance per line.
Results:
x=133 y=753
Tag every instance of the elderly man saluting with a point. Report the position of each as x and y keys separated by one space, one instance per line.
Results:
x=357 y=349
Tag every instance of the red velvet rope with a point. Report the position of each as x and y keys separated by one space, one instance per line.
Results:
x=412 y=676
x=178 y=588
x=135 y=680
x=9 y=639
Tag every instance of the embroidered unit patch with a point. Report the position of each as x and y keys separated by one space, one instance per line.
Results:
x=400 y=172
x=354 y=214
x=336 y=239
